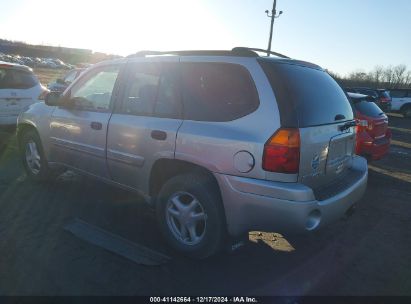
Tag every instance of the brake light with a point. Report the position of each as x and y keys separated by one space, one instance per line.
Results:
x=384 y=99
x=282 y=152
x=363 y=125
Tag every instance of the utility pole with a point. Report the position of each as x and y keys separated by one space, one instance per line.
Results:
x=273 y=16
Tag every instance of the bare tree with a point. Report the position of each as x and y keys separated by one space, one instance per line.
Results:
x=377 y=75
x=389 y=77
x=399 y=72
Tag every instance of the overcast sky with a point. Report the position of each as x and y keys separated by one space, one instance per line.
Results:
x=342 y=36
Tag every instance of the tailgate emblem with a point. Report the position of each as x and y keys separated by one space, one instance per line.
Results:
x=339 y=169
x=315 y=162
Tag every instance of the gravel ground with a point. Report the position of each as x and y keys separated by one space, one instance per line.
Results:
x=367 y=254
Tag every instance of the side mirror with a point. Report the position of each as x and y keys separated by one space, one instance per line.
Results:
x=53 y=99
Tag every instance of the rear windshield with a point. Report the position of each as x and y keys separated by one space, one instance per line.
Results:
x=16 y=79
x=367 y=92
x=306 y=96
x=367 y=108
x=384 y=94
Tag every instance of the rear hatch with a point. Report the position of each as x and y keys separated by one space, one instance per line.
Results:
x=19 y=88
x=384 y=96
x=310 y=100
x=377 y=121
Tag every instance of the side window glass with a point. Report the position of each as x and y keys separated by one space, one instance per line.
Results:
x=142 y=89
x=217 y=91
x=70 y=77
x=95 y=92
x=168 y=102
x=397 y=93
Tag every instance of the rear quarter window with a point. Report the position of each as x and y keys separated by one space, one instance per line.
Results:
x=306 y=96
x=217 y=91
x=17 y=79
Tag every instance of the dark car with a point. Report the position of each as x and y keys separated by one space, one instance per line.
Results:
x=382 y=96
x=373 y=136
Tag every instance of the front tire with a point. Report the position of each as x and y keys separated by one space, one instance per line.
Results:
x=34 y=161
x=190 y=215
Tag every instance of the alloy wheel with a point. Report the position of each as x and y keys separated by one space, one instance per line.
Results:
x=33 y=159
x=186 y=218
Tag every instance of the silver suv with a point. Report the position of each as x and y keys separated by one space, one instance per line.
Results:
x=219 y=142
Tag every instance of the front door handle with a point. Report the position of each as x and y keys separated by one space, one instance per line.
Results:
x=159 y=135
x=95 y=125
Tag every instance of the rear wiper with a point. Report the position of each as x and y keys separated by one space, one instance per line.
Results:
x=347 y=125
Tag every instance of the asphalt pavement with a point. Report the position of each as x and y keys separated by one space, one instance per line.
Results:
x=366 y=254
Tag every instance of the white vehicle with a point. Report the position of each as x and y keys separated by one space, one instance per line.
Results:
x=401 y=101
x=19 y=88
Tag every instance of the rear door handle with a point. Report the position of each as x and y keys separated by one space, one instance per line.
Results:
x=159 y=135
x=96 y=125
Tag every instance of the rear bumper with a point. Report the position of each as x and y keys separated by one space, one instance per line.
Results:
x=10 y=120
x=284 y=207
x=376 y=148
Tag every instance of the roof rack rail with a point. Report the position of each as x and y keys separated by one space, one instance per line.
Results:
x=237 y=51
x=145 y=53
x=254 y=50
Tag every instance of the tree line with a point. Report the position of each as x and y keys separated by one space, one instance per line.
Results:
x=390 y=77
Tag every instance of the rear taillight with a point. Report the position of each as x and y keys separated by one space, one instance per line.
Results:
x=384 y=99
x=363 y=125
x=282 y=152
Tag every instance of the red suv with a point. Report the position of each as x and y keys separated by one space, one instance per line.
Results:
x=373 y=135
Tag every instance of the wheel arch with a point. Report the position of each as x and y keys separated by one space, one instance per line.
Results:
x=405 y=105
x=24 y=128
x=163 y=169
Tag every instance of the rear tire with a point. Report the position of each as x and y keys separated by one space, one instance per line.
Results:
x=191 y=216
x=34 y=160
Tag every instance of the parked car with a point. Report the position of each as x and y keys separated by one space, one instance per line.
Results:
x=62 y=83
x=401 y=101
x=382 y=97
x=219 y=142
x=19 y=88
x=373 y=135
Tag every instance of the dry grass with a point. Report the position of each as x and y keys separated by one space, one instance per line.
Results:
x=48 y=75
